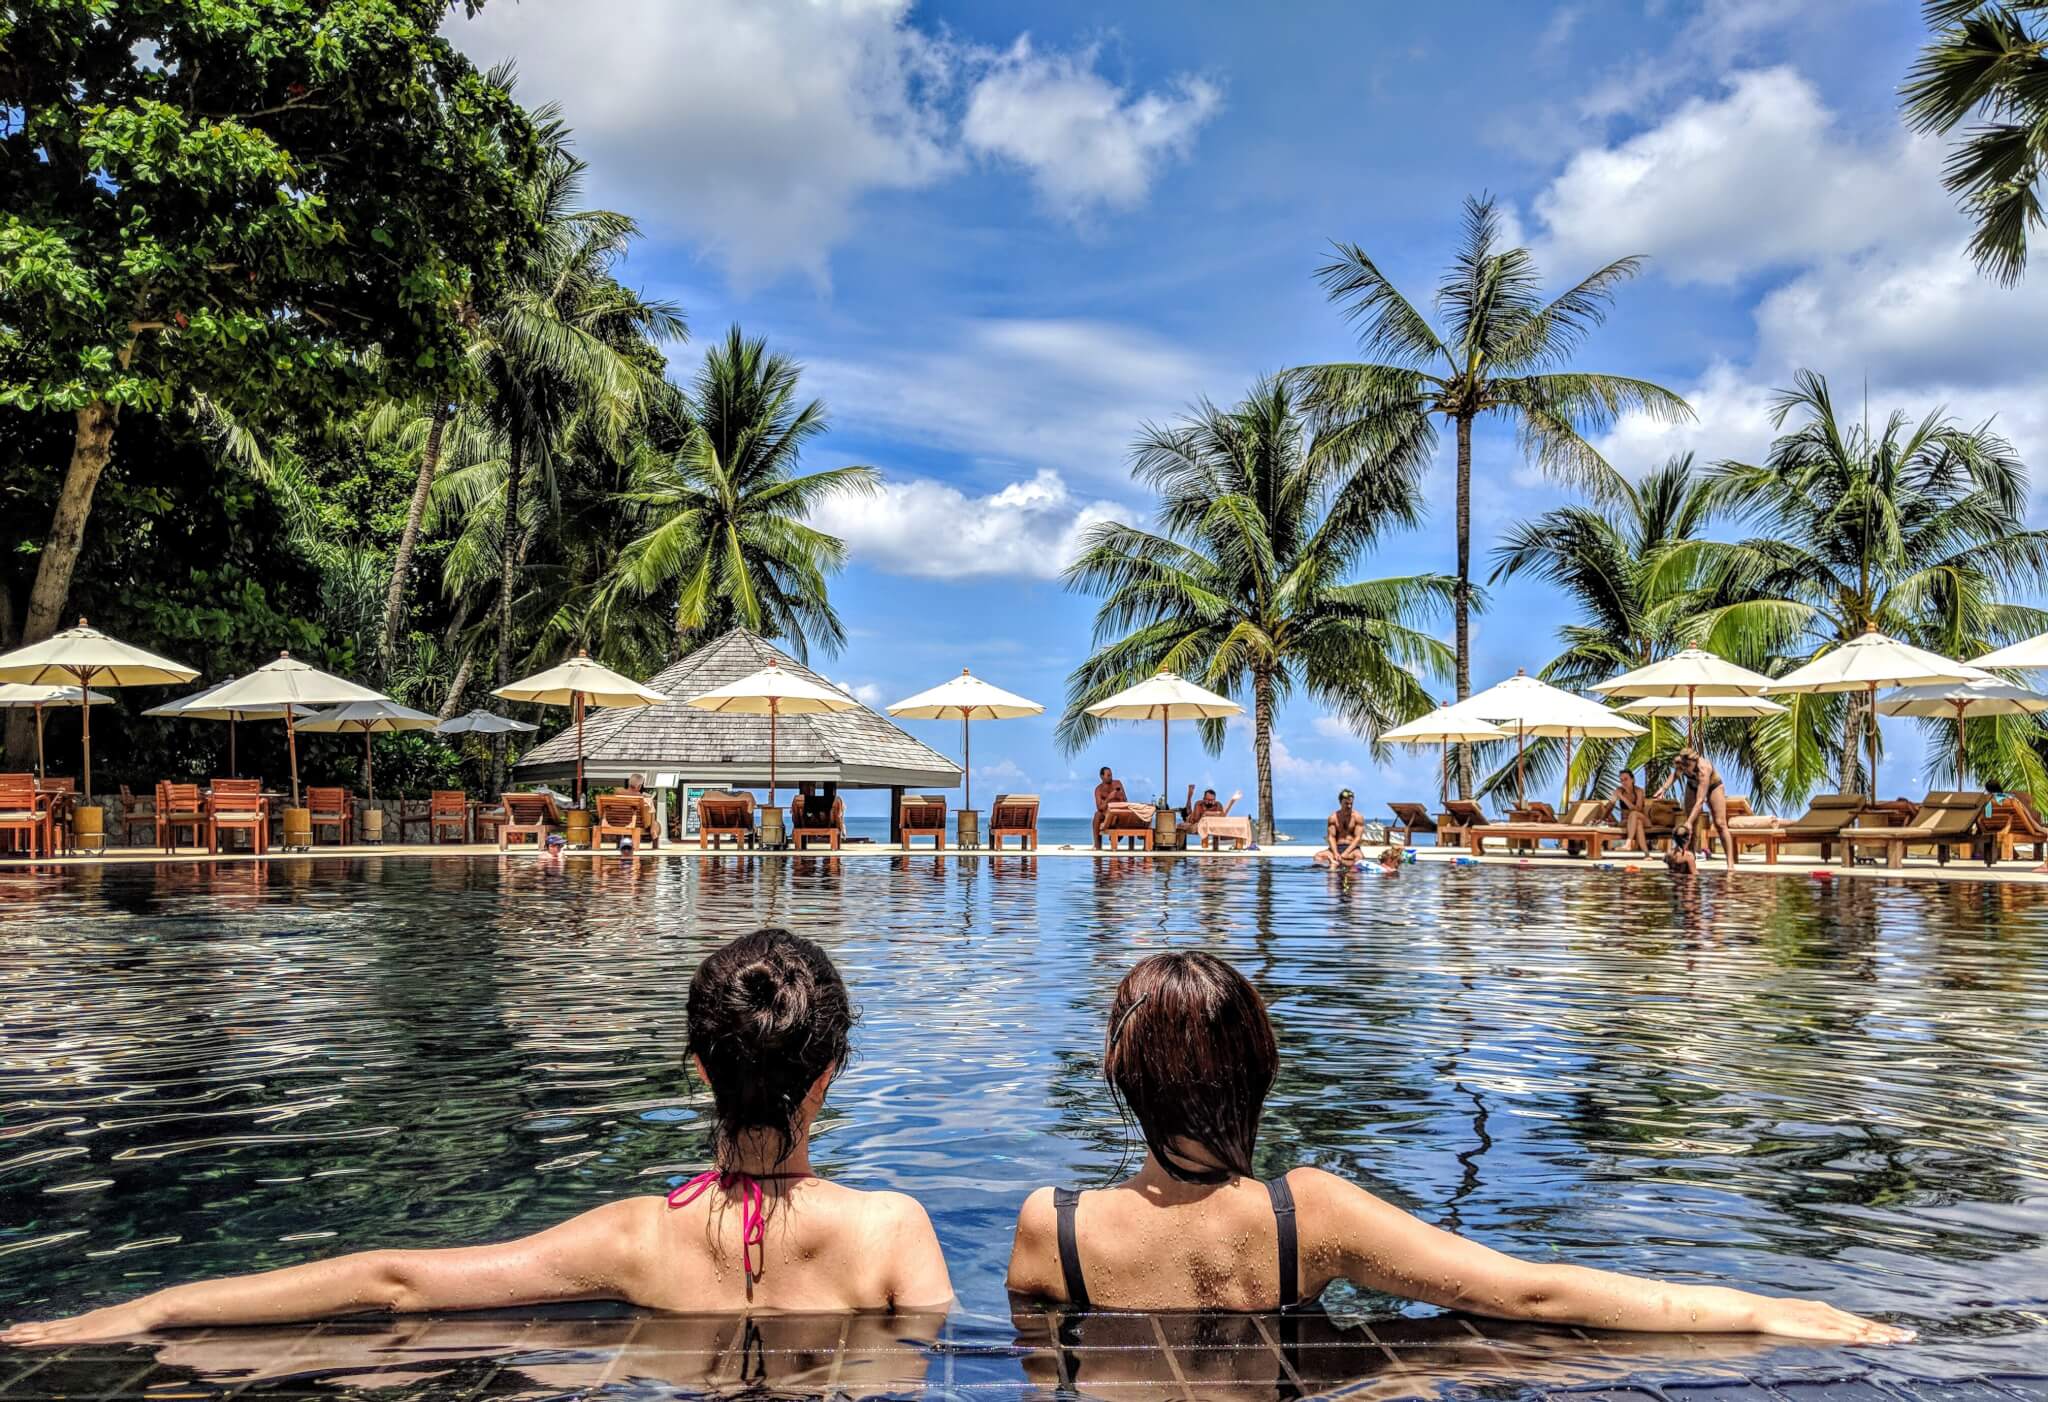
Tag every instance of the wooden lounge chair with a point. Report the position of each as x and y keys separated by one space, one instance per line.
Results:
x=923 y=815
x=2014 y=823
x=1946 y=821
x=19 y=813
x=723 y=815
x=330 y=808
x=1459 y=817
x=528 y=815
x=448 y=811
x=179 y=806
x=1568 y=836
x=238 y=803
x=1411 y=818
x=132 y=817
x=810 y=820
x=1014 y=815
x=58 y=798
x=625 y=815
x=1130 y=822
x=487 y=821
x=1821 y=824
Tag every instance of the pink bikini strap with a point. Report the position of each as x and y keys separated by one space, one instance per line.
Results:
x=753 y=1211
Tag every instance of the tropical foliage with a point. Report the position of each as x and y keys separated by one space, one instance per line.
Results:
x=1502 y=351
x=1245 y=584
x=1988 y=61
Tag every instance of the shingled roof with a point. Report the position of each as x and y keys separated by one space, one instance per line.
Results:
x=859 y=748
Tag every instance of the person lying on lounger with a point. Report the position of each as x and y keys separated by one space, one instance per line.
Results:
x=1343 y=837
x=768 y=1022
x=1190 y=1054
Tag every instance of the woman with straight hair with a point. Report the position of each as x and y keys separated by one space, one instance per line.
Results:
x=1191 y=1052
x=768 y=1030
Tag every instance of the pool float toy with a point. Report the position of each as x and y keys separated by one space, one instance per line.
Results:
x=1823 y=875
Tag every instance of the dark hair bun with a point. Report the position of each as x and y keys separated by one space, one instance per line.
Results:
x=768 y=1015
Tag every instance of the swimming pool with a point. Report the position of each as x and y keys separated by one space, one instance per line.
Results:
x=1801 y=1087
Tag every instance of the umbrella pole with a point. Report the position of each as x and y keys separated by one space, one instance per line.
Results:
x=1692 y=721
x=1165 y=768
x=369 y=774
x=1567 y=767
x=576 y=699
x=234 y=770
x=1444 y=775
x=85 y=726
x=291 y=745
x=772 y=708
x=1520 y=733
x=1962 y=749
x=39 y=740
x=967 y=755
x=1873 y=742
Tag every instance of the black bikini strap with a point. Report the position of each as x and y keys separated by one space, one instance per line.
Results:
x=1290 y=1243
x=1064 y=1200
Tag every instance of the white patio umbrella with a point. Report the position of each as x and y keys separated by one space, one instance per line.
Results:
x=2028 y=656
x=1165 y=698
x=23 y=696
x=287 y=687
x=577 y=683
x=85 y=657
x=1866 y=663
x=1528 y=706
x=1986 y=696
x=970 y=698
x=199 y=706
x=370 y=717
x=484 y=723
x=1690 y=673
x=773 y=692
x=1443 y=726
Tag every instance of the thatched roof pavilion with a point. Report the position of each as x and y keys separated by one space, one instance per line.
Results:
x=856 y=749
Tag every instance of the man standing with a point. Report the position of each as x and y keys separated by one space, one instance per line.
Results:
x=1110 y=790
x=1343 y=836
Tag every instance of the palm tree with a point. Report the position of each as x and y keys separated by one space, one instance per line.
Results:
x=1989 y=59
x=1502 y=351
x=1243 y=586
x=1913 y=530
x=724 y=520
x=1635 y=606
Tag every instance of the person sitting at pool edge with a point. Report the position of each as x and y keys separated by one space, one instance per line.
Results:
x=1190 y=1053
x=1110 y=790
x=1628 y=799
x=1343 y=836
x=768 y=1022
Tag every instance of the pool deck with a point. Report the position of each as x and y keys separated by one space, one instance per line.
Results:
x=2012 y=873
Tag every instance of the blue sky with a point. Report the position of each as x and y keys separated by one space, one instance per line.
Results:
x=1001 y=237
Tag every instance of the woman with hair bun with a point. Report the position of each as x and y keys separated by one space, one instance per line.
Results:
x=768 y=1029
x=1191 y=1053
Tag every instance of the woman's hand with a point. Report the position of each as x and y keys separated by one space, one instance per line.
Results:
x=114 y=1322
x=1816 y=1319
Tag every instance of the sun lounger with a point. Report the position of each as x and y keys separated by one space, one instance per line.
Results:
x=331 y=808
x=2014 y=823
x=238 y=803
x=448 y=811
x=1411 y=818
x=1567 y=835
x=1821 y=824
x=1459 y=817
x=20 y=814
x=1945 y=821
x=179 y=806
x=528 y=815
x=624 y=815
x=923 y=815
x=1014 y=815
x=723 y=815
x=1130 y=822
x=810 y=822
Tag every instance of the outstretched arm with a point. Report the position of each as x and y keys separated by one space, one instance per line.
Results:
x=591 y=1257
x=1235 y=795
x=1384 y=1248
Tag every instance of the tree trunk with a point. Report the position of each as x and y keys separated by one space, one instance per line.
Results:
x=1462 y=604
x=408 y=541
x=92 y=446
x=509 y=546
x=460 y=684
x=1262 y=751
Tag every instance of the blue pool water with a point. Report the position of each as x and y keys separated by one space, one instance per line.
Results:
x=1800 y=1087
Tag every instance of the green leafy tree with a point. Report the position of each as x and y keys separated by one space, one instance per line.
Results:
x=1988 y=59
x=1503 y=351
x=724 y=520
x=235 y=201
x=1244 y=587
x=1912 y=529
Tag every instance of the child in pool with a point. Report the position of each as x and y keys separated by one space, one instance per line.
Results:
x=768 y=1029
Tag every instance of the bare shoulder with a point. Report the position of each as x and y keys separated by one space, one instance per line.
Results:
x=895 y=1212
x=1034 y=1256
x=1325 y=1198
x=1035 y=1216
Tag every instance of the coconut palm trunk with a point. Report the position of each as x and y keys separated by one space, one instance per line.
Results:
x=408 y=540
x=1262 y=752
x=1461 y=606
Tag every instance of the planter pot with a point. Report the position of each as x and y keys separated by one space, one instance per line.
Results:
x=373 y=823
x=578 y=827
x=968 y=830
x=771 y=828
x=1165 y=830
x=88 y=829
x=298 y=830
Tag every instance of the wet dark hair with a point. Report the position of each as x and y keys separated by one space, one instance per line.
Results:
x=768 y=1014
x=1191 y=1054
x=1103 y=772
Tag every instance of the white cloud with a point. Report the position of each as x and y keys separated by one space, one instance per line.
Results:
x=1718 y=35
x=1333 y=728
x=1761 y=176
x=1085 y=142
x=1306 y=769
x=931 y=529
x=1004 y=769
x=1064 y=394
